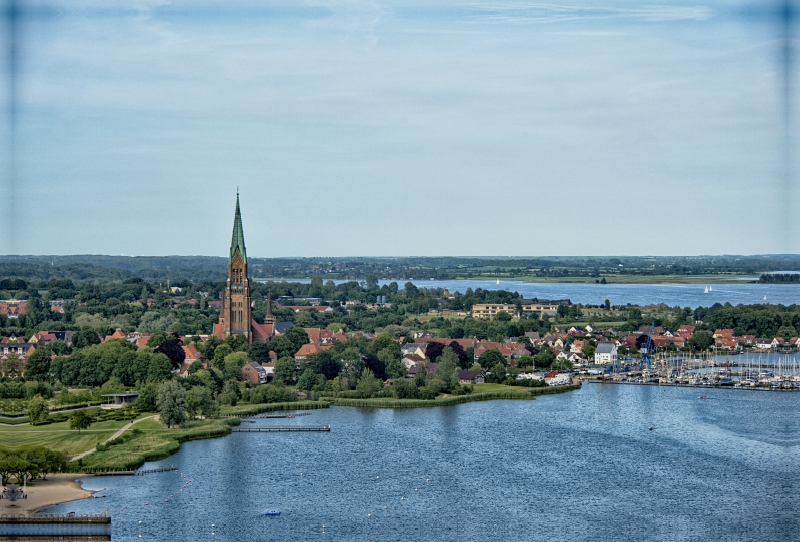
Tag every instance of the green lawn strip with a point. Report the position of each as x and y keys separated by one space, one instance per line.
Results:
x=483 y=392
x=150 y=444
x=58 y=436
x=251 y=410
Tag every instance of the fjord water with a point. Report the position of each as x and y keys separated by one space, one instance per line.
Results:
x=682 y=295
x=577 y=466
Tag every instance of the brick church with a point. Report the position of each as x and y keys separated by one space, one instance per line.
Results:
x=235 y=317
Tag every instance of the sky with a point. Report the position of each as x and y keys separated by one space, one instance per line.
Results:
x=399 y=128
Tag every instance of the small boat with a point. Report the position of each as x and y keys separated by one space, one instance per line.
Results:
x=703 y=397
x=706 y=290
x=498 y=281
x=272 y=513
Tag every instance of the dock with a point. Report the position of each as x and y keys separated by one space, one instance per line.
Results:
x=42 y=519
x=138 y=472
x=278 y=415
x=281 y=428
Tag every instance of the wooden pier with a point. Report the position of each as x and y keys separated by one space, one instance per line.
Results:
x=281 y=428
x=278 y=415
x=41 y=519
x=139 y=472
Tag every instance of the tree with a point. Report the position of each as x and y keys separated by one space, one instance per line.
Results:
x=38 y=365
x=84 y=338
x=298 y=336
x=80 y=420
x=200 y=402
x=502 y=316
x=497 y=373
x=447 y=370
x=259 y=352
x=37 y=410
x=159 y=368
x=607 y=305
x=588 y=350
x=233 y=365
x=284 y=370
x=157 y=338
x=283 y=347
x=171 y=403
x=701 y=340
x=219 y=355
x=147 y=398
x=174 y=351
x=368 y=385
x=490 y=358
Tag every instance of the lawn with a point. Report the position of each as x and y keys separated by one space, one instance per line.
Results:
x=58 y=436
x=151 y=443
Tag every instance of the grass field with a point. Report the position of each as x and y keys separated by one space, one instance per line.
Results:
x=154 y=442
x=59 y=436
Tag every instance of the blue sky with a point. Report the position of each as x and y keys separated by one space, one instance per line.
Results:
x=394 y=128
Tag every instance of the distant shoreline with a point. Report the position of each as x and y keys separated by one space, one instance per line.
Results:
x=628 y=279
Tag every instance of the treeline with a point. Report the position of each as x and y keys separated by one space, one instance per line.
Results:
x=779 y=278
x=209 y=268
x=30 y=462
x=102 y=308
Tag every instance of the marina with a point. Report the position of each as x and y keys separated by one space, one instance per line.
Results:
x=751 y=372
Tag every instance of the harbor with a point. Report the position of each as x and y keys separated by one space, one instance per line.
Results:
x=750 y=372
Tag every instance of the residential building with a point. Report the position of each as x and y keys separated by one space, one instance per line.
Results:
x=605 y=353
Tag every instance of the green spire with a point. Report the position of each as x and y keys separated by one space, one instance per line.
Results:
x=237 y=242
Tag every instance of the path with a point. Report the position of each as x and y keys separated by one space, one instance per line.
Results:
x=112 y=437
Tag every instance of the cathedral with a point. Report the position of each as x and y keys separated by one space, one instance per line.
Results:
x=235 y=317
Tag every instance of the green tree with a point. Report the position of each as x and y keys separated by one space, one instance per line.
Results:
x=368 y=385
x=284 y=370
x=38 y=365
x=490 y=358
x=283 y=347
x=219 y=355
x=233 y=365
x=447 y=369
x=80 y=420
x=298 y=336
x=497 y=373
x=156 y=339
x=171 y=403
x=588 y=350
x=200 y=402
x=147 y=397
x=701 y=340
x=37 y=410
x=502 y=316
x=84 y=338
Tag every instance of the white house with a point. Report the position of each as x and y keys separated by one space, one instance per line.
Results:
x=605 y=353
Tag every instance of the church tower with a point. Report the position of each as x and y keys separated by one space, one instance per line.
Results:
x=235 y=316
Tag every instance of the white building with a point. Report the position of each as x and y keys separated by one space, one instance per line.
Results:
x=605 y=353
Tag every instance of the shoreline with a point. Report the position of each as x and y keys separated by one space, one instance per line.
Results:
x=57 y=489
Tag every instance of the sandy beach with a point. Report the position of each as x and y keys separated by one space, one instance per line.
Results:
x=56 y=489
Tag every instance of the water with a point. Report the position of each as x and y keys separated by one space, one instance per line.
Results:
x=577 y=466
x=682 y=295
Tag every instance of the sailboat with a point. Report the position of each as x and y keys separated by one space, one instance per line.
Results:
x=498 y=281
x=706 y=290
x=710 y=289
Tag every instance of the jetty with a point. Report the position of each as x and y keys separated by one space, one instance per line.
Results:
x=41 y=519
x=281 y=428
x=278 y=415
x=138 y=472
